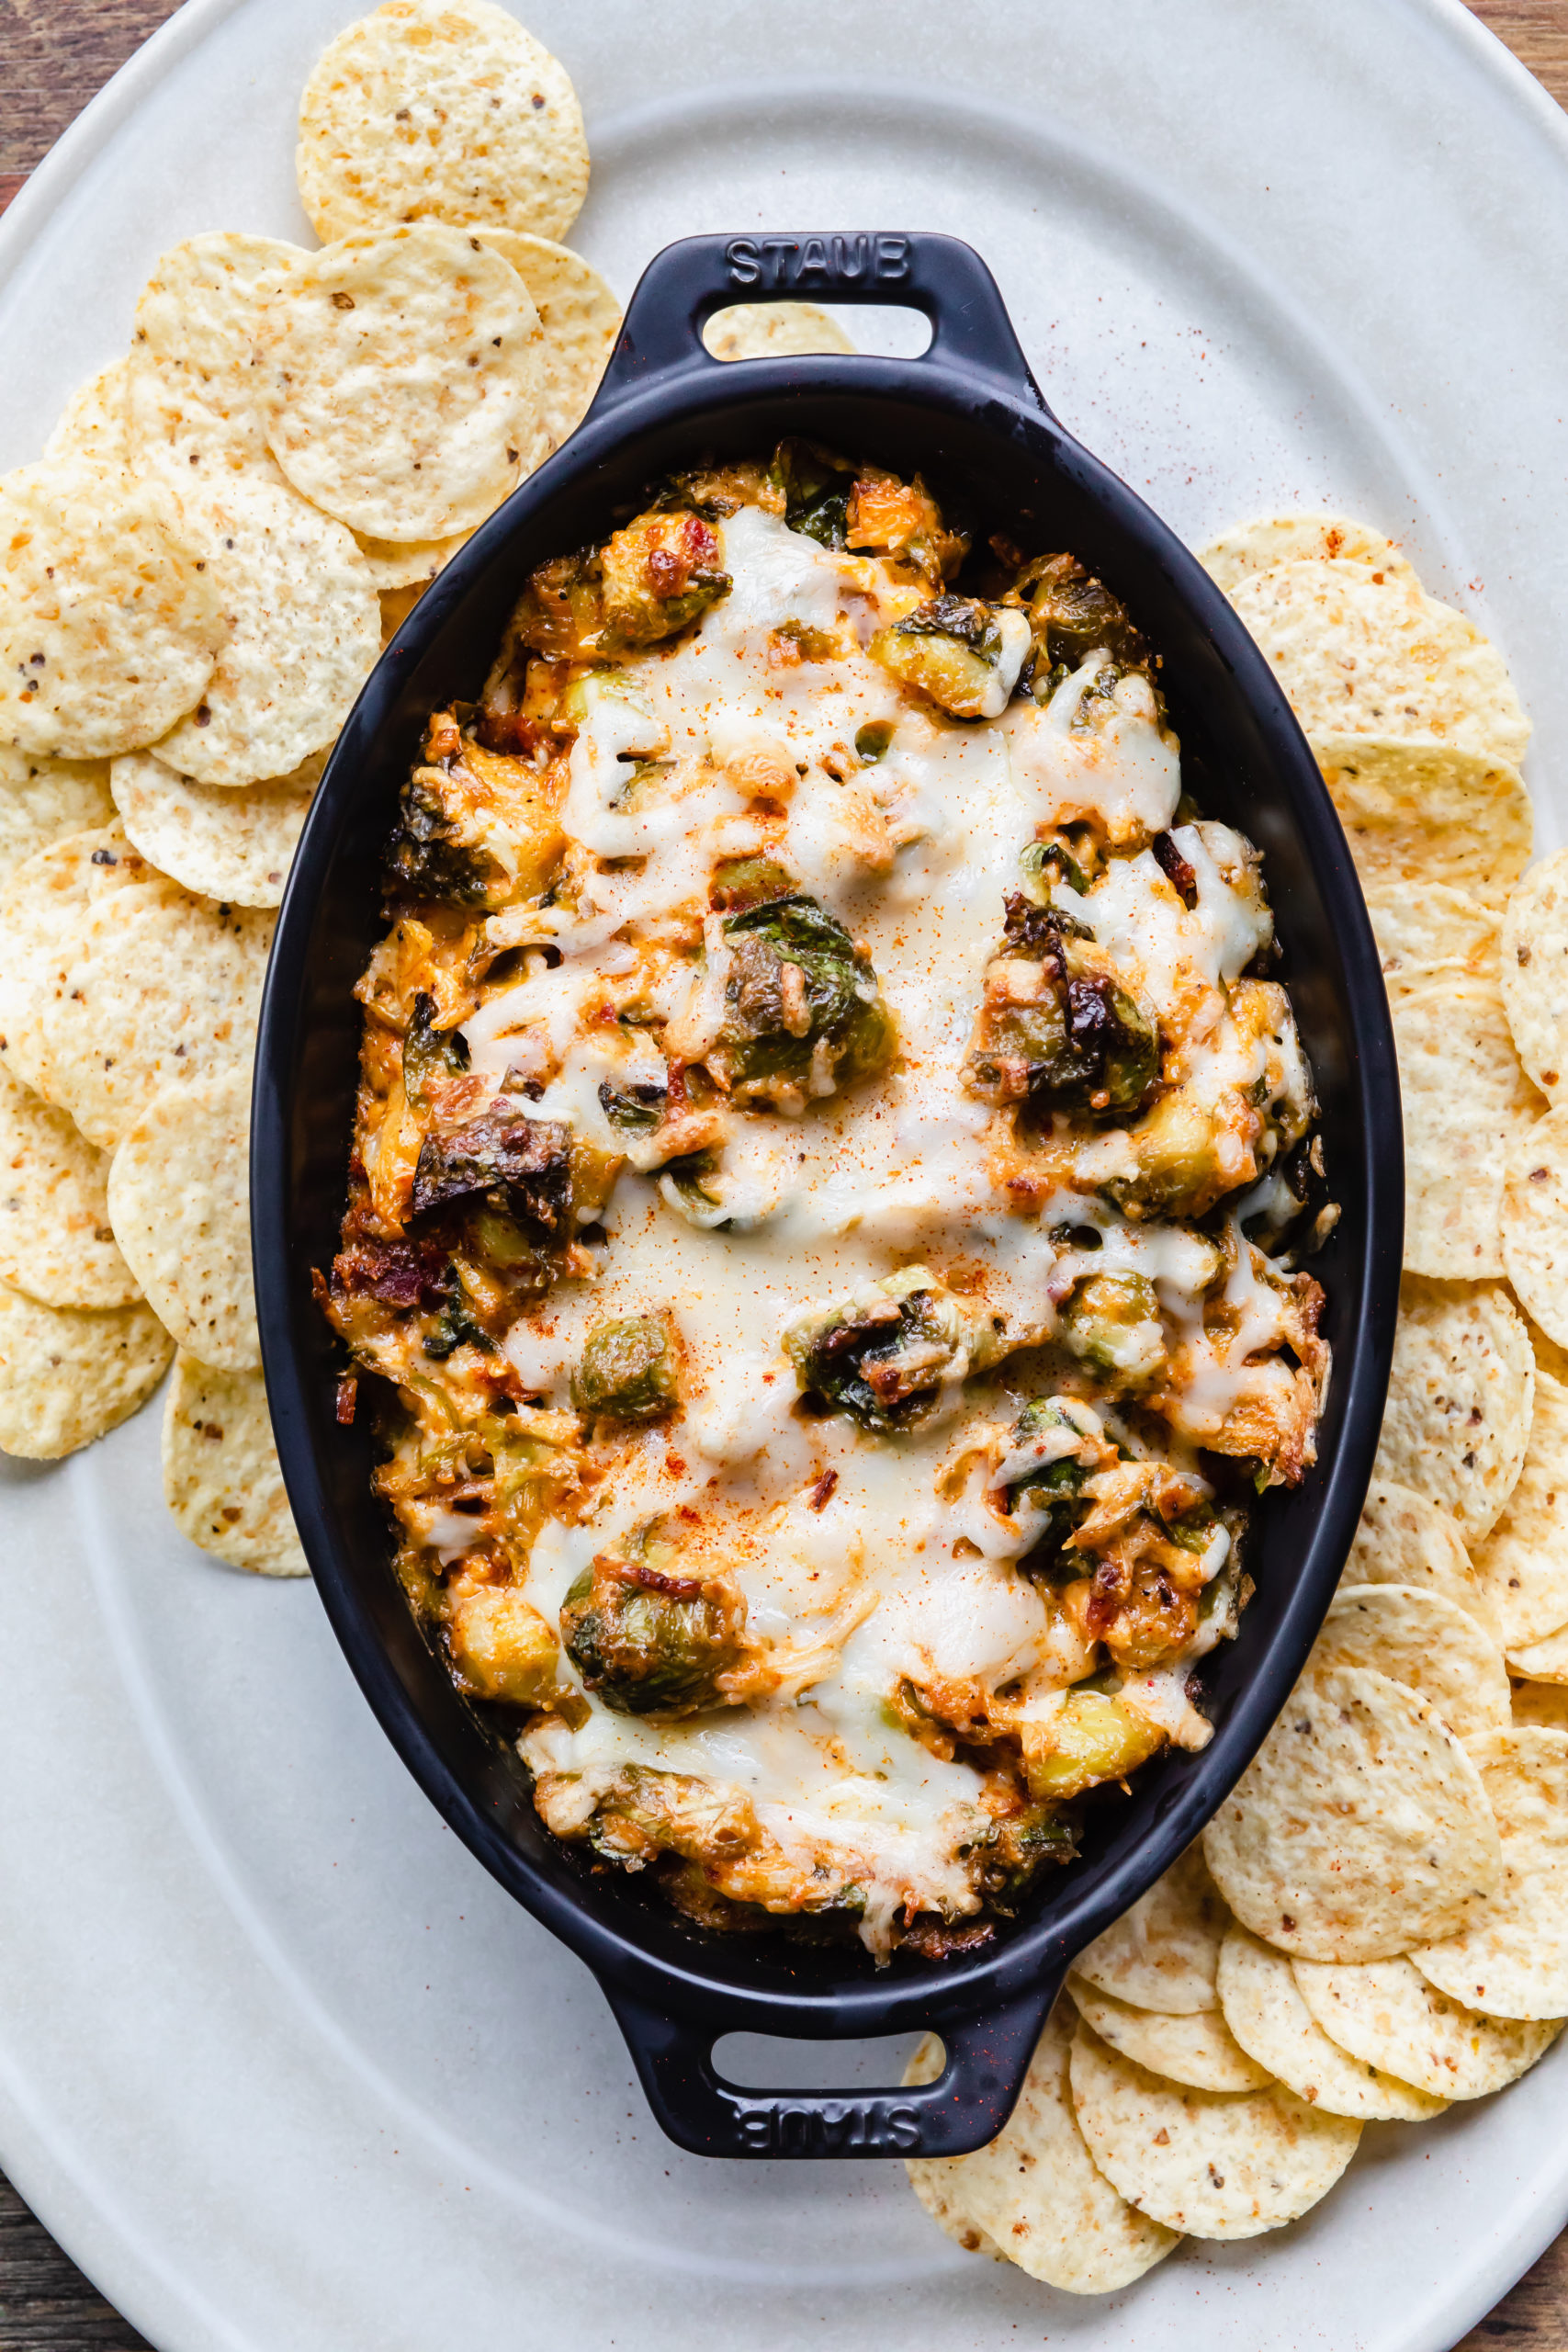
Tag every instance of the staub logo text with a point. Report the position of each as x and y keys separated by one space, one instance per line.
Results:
x=815 y=261
x=784 y=2130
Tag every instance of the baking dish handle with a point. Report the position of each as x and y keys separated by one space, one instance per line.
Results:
x=988 y=2058
x=681 y=287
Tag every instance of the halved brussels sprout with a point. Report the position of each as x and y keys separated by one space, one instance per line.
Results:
x=1057 y=1028
x=658 y=575
x=1019 y=1849
x=1050 y=1490
x=649 y=1642
x=1071 y=614
x=525 y=1164
x=885 y=1354
x=430 y=1055
x=1091 y=1738
x=627 y=1372
x=502 y=1646
x=965 y=654
x=803 y=1013
x=560 y=613
x=1111 y=1322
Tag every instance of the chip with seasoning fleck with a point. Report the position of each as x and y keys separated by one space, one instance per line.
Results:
x=179 y=1203
x=42 y=800
x=43 y=906
x=1404 y=1539
x=1429 y=1644
x=1420 y=814
x=1512 y=1960
x=56 y=1241
x=192 y=415
x=1430 y=931
x=222 y=1479
x=1162 y=1953
x=1535 y=1222
x=578 y=320
x=1467 y=1106
x=1460 y=1396
x=1535 y=971
x=1199 y=2050
x=219 y=840
x=1296 y=537
x=1266 y=2012
x=1523 y=1563
x=1387 y=2014
x=69 y=1375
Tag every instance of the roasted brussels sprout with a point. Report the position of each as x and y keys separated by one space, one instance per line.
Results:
x=741 y=883
x=1020 y=1846
x=431 y=1056
x=648 y=1641
x=1049 y=1490
x=803 y=1013
x=433 y=855
x=1057 y=1028
x=628 y=1373
x=636 y=1109
x=816 y=488
x=502 y=1646
x=1071 y=614
x=965 y=655
x=525 y=1164
x=560 y=613
x=885 y=1354
x=454 y=1326
x=1111 y=1322
x=658 y=575
x=1091 y=1738
x=902 y=520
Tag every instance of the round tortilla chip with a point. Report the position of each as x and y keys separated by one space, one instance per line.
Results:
x=1434 y=1647
x=94 y=427
x=217 y=840
x=160 y=985
x=109 y=630
x=1523 y=1563
x=1356 y=655
x=56 y=1242
x=400 y=377
x=1360 y=1827
x=304 y=633
x=1544 y=1703
x=1460 y=1398
x=1404 y=1539
x=1035 y=2195
x=579 y=319
x=1387 y=2015
x=1430 y=931
x=193 y=415
x=440 y=110
x=1535 y=1222
x=1200 y=2051
x=1300 y=538
x=1429 y=814
x=1214 y=2163
x=411 y=564
x=772 y=331
x=179 y=1200
x=69 y=1375
x=222 y=1479
x=1512 y=1960
x=1541 y=1663
x=44 y=800
x=1535 y=972
x=1265 y=2011
x=43 y=906
x=1162 y=1954
x=1467 y=1104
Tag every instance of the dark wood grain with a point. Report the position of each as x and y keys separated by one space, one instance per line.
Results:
x=53 y=55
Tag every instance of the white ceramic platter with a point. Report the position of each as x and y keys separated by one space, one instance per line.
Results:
x=277 y=2062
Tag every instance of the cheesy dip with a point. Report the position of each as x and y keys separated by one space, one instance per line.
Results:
x=825 y=1142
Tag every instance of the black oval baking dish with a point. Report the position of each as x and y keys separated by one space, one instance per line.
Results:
x=969 y=415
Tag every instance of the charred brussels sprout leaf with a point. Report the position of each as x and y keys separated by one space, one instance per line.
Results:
x=636 y=1110
x=1021 y=1848
x=430 y=1055
x=1111 y=1322
x=658 y=575
x=525 y=1163
x=816 y=488
x=803 y=1012
x=455 y=1327
x=627 y=1371
x=1049 y=1490
x=883 y=1354
x=648 y=1642
x=965 y=654
x=1072 y=614
x=428 y=856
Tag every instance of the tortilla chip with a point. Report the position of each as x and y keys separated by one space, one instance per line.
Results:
x=215 y=841
x=1544 y=1703
x=56 y=1242
x=1429 y=814
x=1405 y=1539
x=1200 y=2051
x=222 y=1479
x=1265 y=2011
x=180 y=1203
x=1162 y=1954
x=160 y=985
x=772 y=331
x=440 y=112
x=1459 y=1398
x=68 y=1374
x=1213 y=2165
x=43 y=910
x=579 y=319
x=44 y=800
x=1535 y=972
x=1429 y=1643
x=304 y=633
x=1512 y=1960
x=412 y=565
x=1360 y=1827
x=192 y=416
x=1035 y=2195
x=109 y=631
x=1467 y=1104
x=400 y=377
x=1535 y=1222
x=1300 y=538
x=1387 y=2015
x=1427 y=932
x=1360 y=656
x=1523 y=1563
x=94 y=428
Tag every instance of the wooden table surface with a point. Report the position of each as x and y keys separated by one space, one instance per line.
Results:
x=53 y=55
